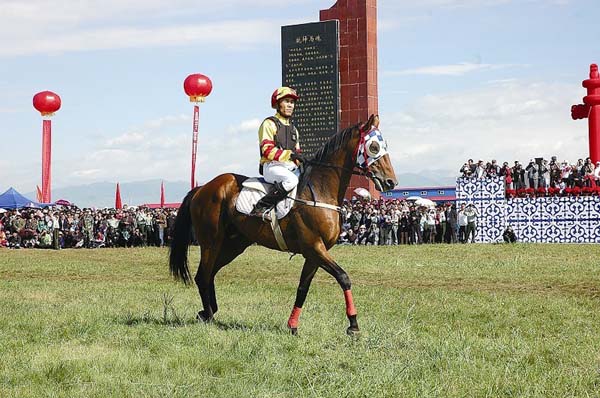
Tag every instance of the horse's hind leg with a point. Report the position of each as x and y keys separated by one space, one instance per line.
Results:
x=308 y=272
x=325 y=261
x=230 y=249
x=205 y=279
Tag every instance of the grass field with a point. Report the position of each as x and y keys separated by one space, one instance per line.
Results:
x=437 y=321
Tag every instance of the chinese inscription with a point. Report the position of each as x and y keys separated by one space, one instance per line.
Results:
x=310 y=65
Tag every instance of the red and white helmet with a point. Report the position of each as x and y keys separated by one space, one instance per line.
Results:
x=281 y=93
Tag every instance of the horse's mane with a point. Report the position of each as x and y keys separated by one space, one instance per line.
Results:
x=334 y=143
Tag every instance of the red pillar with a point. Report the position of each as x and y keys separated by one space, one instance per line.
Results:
x=594 y=125
x=358 y=67
x=195 y=144
x=591 y=109
x=46 y=161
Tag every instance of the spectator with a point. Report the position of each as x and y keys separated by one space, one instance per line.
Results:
x=588 y=173
x=471 y=229
x=14 y=241
x=506 y=172
x=544 y=174
x=363 y=235
x=3 y=240
x=480 y=170
x=429 y=226
x=466 y=171
x=532 y=171
x=518 y=175
x=554 y=174
x=462 y=224
x=404 y=227
x=452 y=217
x=509 y=235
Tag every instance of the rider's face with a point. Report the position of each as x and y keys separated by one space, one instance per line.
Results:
x=286 y=107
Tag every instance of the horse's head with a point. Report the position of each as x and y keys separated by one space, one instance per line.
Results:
x=372 y=156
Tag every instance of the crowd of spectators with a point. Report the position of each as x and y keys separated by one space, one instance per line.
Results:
x=71 y=227
x=539 y=173
x=393 y=222
x=365 y=222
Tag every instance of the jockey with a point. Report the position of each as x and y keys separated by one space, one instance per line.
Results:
x=280 y=152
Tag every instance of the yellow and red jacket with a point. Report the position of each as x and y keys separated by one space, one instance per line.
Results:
x=274 y=147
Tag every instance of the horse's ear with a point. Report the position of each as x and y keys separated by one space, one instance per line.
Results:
x=375 y=120
x=369 y=123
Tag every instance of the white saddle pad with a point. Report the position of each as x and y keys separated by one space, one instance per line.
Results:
x=254 y=189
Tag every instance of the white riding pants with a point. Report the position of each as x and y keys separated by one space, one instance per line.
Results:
x=285 y=173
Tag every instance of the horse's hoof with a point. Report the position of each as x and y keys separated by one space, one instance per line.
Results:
x=354 y=332
x=293 y=331
x=202 y=317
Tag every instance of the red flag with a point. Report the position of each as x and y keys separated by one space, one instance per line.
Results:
x=118 y=204
x=162 y=194
x=39 y=194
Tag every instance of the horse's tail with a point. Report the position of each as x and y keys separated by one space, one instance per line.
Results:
x=181 y=239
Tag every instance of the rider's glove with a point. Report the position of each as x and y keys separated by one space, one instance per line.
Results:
x=298 y=157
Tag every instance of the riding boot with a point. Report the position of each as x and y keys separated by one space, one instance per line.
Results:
x=270 y=200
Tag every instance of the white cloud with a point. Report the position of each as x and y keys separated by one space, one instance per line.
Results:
x=161 y=148
x=55 y=27
x=230 y=34
x=449 y=70
x=437 y=4
x=505 y=121
x=125 y=139
x=246 y=126
x=90 y=173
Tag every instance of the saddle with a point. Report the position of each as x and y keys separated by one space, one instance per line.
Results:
x=254 y=189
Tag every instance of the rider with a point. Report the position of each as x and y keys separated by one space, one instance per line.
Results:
x=280 y=152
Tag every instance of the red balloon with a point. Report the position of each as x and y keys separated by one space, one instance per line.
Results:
x=46 y=102
x=197 y=87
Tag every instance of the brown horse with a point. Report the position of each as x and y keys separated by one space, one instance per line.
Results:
x=223 y=233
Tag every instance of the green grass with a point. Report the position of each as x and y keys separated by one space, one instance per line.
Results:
x=437 y=321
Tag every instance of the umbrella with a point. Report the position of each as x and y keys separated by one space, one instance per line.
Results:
x=413 y=198
x=63 y=202
x=425 y=202
x=363 y=193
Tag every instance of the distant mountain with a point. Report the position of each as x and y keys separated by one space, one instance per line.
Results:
x=102 y=194
x=426 y=178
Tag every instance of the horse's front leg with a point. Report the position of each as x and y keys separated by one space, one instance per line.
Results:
x=327 y=262
x=308 y=272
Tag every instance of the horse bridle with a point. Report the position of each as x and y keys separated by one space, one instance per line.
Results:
x=362 y=171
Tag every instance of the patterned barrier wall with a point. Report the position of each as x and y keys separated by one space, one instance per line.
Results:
x=539 y=220
x=487 y=195
x=557 y=219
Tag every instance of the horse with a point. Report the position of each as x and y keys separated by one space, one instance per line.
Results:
x=223 y=233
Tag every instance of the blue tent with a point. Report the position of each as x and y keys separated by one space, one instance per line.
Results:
x=12 y=199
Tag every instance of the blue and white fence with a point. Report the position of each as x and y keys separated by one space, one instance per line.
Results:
x=540 y=220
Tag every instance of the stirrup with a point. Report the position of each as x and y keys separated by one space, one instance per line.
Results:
x=260 y=212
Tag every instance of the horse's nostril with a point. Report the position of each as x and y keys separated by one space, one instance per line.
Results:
x=390 y=183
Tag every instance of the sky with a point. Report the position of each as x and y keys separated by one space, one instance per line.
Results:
x=458 y=79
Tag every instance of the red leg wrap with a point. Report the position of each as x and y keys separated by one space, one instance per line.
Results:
x=350 y=309
x=294 y=316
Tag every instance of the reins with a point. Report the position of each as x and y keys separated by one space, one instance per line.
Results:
x=362 y=171
x=353 y=170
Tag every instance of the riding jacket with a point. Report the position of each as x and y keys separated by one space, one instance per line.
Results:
x=278 y=139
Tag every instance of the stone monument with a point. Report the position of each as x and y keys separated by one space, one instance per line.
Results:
x=336 y=93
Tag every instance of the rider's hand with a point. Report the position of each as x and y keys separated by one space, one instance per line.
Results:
x=298 y=157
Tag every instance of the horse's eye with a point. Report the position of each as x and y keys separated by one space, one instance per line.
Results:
x=373 y=148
